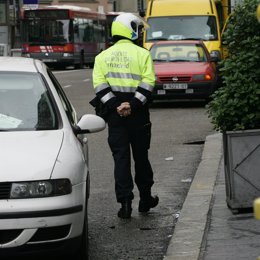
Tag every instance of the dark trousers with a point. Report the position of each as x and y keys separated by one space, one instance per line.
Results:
x=122 y=140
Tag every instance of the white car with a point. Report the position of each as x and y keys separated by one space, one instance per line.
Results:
x=44 y=174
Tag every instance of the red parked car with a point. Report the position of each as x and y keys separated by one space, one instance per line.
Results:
x=184 y=70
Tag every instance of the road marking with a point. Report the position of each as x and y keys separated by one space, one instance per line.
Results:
x=85 y=80
x=67 y=86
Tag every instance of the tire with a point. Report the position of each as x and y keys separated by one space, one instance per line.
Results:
x=80 y=65
x=91 y=65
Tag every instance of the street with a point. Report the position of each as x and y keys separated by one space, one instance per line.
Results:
x=178 y=133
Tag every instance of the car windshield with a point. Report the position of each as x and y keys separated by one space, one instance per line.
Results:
x=25 y=103
x=178 y=52
x=182 y=27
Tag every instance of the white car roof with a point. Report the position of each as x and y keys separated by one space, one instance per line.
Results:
x=19 y=64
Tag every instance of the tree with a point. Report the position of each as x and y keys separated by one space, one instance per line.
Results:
x=236 y=105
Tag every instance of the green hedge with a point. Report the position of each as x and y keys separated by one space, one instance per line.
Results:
x=236 y=105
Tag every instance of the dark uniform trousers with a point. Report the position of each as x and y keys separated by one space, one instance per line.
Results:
x=122 y=140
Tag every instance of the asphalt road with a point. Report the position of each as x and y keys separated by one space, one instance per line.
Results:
x=178 y=134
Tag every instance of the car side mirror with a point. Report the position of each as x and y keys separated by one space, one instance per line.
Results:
x=90 y=124
x=214 y=59
x=214 y=56
x=142 y=13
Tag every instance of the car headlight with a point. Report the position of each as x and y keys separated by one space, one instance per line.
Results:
x=67 y=54
x=26 y=55
x=43 y=188
x=202 y=77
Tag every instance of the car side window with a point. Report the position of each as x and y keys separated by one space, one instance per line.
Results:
x=71 y=114
x=25 y=103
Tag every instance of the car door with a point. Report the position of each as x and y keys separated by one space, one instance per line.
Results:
x=71 y=114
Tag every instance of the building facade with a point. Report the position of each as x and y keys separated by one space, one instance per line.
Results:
x=10 y=9
x=106 y=5
x=7 y=25
x=96 y=5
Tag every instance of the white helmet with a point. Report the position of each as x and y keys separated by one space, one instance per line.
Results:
x=128 y=25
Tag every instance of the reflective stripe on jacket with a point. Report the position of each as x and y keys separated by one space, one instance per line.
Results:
x=124 y=68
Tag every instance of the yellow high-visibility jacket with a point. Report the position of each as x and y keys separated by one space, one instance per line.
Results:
x=124 y=72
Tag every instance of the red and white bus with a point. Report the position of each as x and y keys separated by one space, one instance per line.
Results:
x=62 y=36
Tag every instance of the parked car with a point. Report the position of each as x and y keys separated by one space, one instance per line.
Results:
x=184 y=70
x=44 y=173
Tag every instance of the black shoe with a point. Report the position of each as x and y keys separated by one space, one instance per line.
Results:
x=146 y=205
x=125 y=210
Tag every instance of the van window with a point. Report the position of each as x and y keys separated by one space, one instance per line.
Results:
x=182 y=27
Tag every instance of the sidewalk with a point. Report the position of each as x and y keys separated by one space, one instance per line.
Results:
x=206 y=228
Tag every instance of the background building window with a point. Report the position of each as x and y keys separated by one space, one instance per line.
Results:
x=45 y=1
x=78 y=1
x=3 y=19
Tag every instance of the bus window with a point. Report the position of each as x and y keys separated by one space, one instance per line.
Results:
x=44 y=31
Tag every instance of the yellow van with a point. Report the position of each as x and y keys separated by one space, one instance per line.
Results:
x=258 y=13
x=186 y=19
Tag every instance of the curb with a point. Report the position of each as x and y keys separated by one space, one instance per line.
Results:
x=189 y=230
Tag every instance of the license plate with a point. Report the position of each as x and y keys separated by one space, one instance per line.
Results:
x=175 y=86
x=189 y=91
x=161 y=92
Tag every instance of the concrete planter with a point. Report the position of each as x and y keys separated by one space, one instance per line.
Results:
x=242 y=168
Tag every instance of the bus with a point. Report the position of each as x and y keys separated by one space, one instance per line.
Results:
x=187 y=19
x=62 y=36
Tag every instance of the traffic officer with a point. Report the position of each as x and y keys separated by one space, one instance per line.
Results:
x=123 y=79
